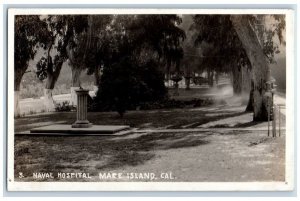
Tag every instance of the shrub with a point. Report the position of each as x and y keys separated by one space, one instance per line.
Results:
x=127 y=84
x=64 y=107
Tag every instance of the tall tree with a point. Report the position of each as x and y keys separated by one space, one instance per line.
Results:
x=145 y=37
x=190 y=60
x=30 y=32
x=225 y=52
x=85 y=47
x=138 y=40
x=70 y=39
x=50 y=65
x=258 y=55
x=236 y=39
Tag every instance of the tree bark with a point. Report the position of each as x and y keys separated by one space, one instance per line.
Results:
x=97 y=80
x=210 y=78
x=237 y=80
x=49 y=103
x=217 y=78
x=19 y=72
x=52 y=77
x=246 y=79
x=258 y=62
x=176 y=86
x=187 y=83
x=76 y=72
x=17 y=112
x=250 y=106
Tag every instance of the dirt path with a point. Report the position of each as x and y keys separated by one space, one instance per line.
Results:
x=223 y=157
x=205 y=156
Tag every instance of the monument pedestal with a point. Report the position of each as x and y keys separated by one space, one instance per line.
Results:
x=82 y=121
x=81 y=126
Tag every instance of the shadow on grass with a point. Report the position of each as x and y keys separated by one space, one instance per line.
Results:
x=92 y=153
x=238 y=125
x=216 y=118
x=248 y=124
x=157 y=118
x=132 y=152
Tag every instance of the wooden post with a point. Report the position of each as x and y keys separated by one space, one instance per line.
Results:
x=268 y=95
x=279 y=120
x=274 y=121
x=269 y=109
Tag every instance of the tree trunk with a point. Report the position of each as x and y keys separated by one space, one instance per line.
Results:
x=97 y=79
x=167 y=72
x=19 y=72
x=52 y=77
x=76 y=72
x=49 y=103
x=217 y=78
x=210 y=79
x=237 y=80
x=48 y=98
x=250 y=106
x=246 y=79
x=176 y=86
x=17 y=112
x=187 y=83
x=260 y=68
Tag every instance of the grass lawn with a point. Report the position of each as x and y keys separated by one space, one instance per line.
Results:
x=190 y=156
x=203 y=156
x=174 y=118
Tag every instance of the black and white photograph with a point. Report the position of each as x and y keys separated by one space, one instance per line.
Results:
x=150 y=99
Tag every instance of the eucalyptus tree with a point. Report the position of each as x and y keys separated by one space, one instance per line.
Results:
x=237 y=42
x=84 y=48
x=225 y=52
x=30 y=32
x=192 y=57
x=61 y=31
x=144 y=37
x=160 y=36
x=70 y=40
x=49 y=66
x=149 y=42
x=260 y=49
x=76 y=28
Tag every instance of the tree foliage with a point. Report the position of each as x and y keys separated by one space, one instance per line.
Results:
x=220 y=43
x=30 y=32
x=240 y=40
x=128 y=83
x=62 y=32
x=133 y=53
x=226 y=47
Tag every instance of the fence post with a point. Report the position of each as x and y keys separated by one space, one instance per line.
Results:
x=274 y=121
x=269 y=110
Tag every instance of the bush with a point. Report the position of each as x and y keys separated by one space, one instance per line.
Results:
x=127 y=84
x=64 y=107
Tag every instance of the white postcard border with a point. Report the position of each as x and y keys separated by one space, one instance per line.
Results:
x=288 y=185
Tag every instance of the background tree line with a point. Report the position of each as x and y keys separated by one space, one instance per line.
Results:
x=130 y=56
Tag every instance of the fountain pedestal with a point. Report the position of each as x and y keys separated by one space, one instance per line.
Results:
x=82 y=121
